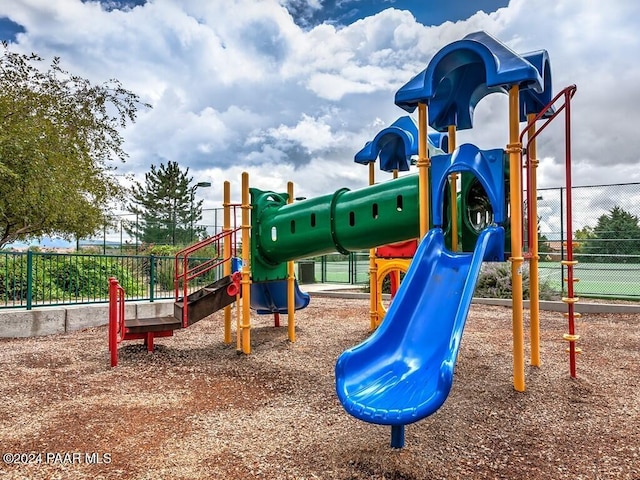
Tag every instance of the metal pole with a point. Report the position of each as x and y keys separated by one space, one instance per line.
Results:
x=423 y=169
x=534 y=281
x=193 y=191
x=514 y=150
x=246 y=268
x=226 y=246
x=291 y=322
x=29 y=279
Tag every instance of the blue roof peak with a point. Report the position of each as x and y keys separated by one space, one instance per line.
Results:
x=465 y=71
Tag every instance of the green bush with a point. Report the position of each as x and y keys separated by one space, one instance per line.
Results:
x=495 y=282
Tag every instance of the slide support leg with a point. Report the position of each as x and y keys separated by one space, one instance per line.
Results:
x=397 y=436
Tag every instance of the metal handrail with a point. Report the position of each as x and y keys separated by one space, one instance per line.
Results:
x=184 y=274
x=567 y=93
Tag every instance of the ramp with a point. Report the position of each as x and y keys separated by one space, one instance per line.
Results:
x=206 y=301
x=404 y=371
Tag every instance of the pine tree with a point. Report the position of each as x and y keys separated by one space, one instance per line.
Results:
x=617 y=234
x=163 y=207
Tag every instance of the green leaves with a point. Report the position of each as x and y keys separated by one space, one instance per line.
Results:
x=59 y=136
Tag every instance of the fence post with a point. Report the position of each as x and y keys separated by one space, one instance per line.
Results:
x=152 y=277
x=323 y=268
x=29 y=279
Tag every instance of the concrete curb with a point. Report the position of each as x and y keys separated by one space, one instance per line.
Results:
x=55 y=320
x=60 y=319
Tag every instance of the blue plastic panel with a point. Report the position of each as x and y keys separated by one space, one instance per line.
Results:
x=464 y=72
x=396 y=144
x=271 y=297
x=486 y=165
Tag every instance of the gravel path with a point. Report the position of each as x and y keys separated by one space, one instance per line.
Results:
x=195 y=409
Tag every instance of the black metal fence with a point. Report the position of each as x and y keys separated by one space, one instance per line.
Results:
x=34 y=279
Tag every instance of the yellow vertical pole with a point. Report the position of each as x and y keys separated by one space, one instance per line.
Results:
x=291 y=306
x=454 y=192
x=515 y=195
x=373 y=269
x=246 y=268
x=534 y=281
x=423 y=169
x=226 y=252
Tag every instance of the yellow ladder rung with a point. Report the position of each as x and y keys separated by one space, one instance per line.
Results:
x=569 y=262
x=575 y=314
x=578 y=350
x=570 y=299
x=570 y=338
x=567 y=280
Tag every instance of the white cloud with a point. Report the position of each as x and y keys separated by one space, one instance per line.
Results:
x=238 y=85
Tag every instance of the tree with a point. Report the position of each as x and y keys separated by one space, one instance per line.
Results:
x=617 y=234
x=584 y=239
x=59 y=135
x=163 y=206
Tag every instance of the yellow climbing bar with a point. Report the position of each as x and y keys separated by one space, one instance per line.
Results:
x=570 y=299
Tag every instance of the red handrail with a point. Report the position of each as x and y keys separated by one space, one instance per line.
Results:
x=567 y=94
x=184 y=274
x=116 y=318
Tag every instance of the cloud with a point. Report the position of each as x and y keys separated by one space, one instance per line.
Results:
x=240 y=85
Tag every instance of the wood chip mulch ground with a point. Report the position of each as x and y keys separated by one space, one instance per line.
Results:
x=195 y=409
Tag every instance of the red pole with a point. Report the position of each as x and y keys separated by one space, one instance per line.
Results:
x=569 y=230
x=113 y=320
x=395 y=282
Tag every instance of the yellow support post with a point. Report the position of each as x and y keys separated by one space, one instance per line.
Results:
x=246 y=268
x=226 y=248
x=291 y=306
x=514 y=150
x=534 y=281
x=373 y=270
x=453 y=186
x=423 y=169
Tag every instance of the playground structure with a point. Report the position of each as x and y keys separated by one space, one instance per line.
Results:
x=404 y=371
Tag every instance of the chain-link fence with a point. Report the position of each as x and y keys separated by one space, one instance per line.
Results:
x=124 y=232
x=606 y=231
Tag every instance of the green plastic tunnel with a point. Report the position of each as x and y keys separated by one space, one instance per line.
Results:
x=343 y=221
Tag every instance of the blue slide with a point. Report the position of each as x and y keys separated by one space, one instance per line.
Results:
x=271 y=297
x=403 y=372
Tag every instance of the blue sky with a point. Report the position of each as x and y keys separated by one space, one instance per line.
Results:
x=290 y=90
x=427 y=12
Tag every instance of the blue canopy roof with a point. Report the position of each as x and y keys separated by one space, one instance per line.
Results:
x=464 y=72
x=396 y=144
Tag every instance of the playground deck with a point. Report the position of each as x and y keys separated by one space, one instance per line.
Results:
x=195 y=409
